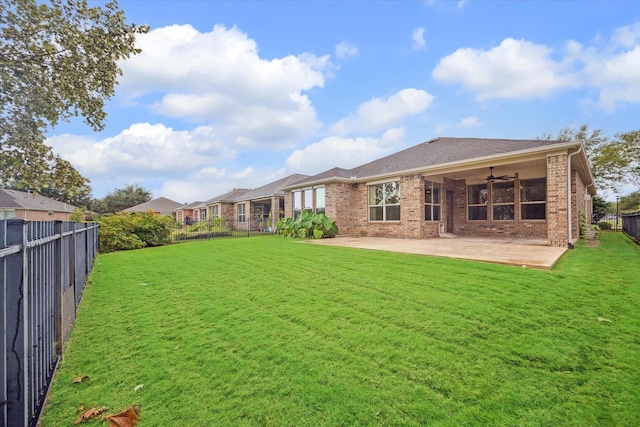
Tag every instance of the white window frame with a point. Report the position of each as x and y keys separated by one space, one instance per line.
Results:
x=388 y=189
x=242 y=213
x=429 y=205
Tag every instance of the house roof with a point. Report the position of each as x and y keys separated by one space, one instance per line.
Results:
x=228 y=197
x=12 y=199
x=433 y=153
x=188 y=206
x=271 y=189
x=161 y=205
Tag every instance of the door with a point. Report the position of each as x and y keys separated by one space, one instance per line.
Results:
x=449 y=211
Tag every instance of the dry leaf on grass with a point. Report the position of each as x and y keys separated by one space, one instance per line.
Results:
x=80 y=379
x=90 y=413
x=127 y=418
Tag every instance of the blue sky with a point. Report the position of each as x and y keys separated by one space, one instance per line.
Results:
x=239 y=94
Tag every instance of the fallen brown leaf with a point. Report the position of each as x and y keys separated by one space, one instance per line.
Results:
x=80 y=379
x=90 y=413
x=127 y=418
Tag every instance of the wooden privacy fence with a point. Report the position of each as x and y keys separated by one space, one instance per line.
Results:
x=631 y=225
x=43 y=271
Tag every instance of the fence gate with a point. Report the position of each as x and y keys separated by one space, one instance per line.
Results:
x=43 y=270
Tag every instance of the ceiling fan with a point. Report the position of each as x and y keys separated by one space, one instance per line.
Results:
x=501 y=177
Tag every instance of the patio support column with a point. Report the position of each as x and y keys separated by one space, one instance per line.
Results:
x=557 y=200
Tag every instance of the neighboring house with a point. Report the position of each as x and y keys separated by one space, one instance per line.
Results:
x=464 y=186
x=188 y=213
x=223 y=206
x=32 y=207
x=159 y=206
x=263 y=206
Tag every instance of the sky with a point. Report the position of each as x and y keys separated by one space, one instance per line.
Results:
x=237 y=94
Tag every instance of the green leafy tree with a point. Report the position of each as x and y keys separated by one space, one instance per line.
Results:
x=122 y=198
x=58 y=59
x=600 y=208
x=614 y=161
x=630 y=203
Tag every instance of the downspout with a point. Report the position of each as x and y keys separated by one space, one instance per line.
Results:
x=569 y=242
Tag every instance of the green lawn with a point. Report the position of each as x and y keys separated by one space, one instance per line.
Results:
x=270 y=331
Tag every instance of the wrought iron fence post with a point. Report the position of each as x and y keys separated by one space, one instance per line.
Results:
x=58 y=275
x=16 y=325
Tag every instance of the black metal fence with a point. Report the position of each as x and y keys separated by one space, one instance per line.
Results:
x=43 y=271
x=631 y=225
x=220 y=228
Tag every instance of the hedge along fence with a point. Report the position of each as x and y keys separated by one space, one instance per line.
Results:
x=43 y=270
x=125 y=231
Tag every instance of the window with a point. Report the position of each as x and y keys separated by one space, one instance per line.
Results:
x=203 y=214
x=310 y=199
x=7 y=214
x=477 y=202
x=319 y=200
x=215 y=213
x=307 y=200
x=384 y=201
x=502 y=201
x=432 y=202
x=242 y=217
x=533 y=198
x=297 y=203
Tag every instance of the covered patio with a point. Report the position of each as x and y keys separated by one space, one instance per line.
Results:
x=528 y=252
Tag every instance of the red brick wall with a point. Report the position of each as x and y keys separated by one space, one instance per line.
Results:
x=41 y=215
x=557 y=221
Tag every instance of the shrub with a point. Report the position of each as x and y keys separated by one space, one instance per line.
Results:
x=605 y=225
x=125 y=231
x=307 y=225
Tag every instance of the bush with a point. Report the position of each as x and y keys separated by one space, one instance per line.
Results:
x=126 y=231
x=307 y=225
x=605 y=225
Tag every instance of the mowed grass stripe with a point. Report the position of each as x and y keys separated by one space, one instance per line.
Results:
x=270 y=331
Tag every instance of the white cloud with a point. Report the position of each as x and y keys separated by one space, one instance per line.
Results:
x=470 y=122
x=219 y=79
x=143 y=150
x=517 y=69
x=520 y=69
x=418 y=38
x=345 y=50
x=336 y=151
x=378 y=114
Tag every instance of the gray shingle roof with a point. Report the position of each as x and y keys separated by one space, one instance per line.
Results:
x=445 y=150
x=189 y=206
x=432 y=153
x=272 y=188
x=161 y=205
x=12 y=199
x=228 y=197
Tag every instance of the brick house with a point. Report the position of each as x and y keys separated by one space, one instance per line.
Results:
x=189 y=213
x=32 y=207
x=263 y=206
x=159 y=206
x=223 y=206
x=463 y=186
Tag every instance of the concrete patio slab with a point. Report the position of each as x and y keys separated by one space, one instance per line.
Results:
x=532 y=253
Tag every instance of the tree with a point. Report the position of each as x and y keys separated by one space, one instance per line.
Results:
x=613 y=161
x=600 y=208
x=630 y=203
x=122 y=198
x=57 y=61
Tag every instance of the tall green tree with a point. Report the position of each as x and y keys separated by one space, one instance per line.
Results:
x=122 y=198
x=614 y=161
x=58 y=59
